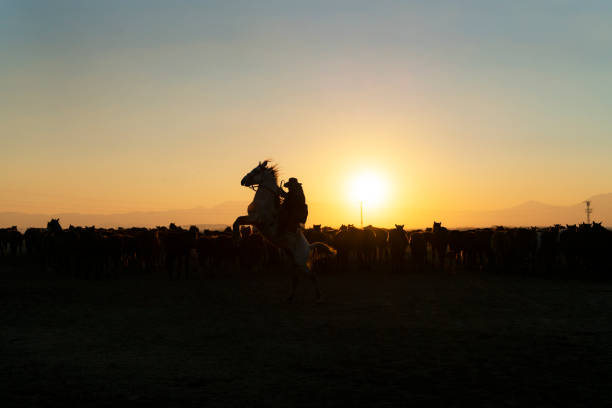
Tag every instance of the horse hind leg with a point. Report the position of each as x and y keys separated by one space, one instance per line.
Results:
x=295 y=278
x=315 y=280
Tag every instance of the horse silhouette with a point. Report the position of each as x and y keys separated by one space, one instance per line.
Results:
x=263 y=214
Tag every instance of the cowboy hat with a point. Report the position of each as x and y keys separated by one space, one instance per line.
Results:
x=292 y=182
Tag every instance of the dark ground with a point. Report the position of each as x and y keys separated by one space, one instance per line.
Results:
x=377 y=339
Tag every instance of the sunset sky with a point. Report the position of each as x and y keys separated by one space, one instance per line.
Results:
x=114 y=106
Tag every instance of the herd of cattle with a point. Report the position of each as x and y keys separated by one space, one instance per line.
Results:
x=583 y=250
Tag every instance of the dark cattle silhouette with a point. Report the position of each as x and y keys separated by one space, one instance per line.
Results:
x=98 y=253
x=381 y=242
x=216 y=251
x=177 y=245
x=524 y=246
x=34 y=244
x=355 y=243
x=456 y=248
x=549 y=249
x=367 y=246
x=316 y=234
x=252 y=250
x=398 y=242
x=418 y=250
x=346 y=243
x=501 y=248
x=11 y=242
x=439 y=238
x=320 y=260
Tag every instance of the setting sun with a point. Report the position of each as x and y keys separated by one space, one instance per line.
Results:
x=368 y=187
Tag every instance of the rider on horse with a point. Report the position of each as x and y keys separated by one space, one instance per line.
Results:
x=294 y=210
x=264 y=214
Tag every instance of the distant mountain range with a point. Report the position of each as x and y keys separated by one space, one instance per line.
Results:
x=214 y=218
x=534 y=213
x=531 y=213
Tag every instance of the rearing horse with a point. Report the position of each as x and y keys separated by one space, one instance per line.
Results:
x=263 y=214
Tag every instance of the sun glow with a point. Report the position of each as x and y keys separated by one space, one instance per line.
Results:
x=369 y=188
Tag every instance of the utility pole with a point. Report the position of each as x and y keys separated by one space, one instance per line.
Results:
x=361 y=208
x=588 y=211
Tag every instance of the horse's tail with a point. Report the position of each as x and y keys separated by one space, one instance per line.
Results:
x=324 y=247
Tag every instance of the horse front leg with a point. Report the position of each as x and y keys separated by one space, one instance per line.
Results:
x=242 y=220
x=303 y=269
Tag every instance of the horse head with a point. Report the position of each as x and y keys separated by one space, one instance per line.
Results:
x=259 y=175
x=54 y=225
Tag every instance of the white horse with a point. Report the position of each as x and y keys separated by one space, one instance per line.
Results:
x=263 y=214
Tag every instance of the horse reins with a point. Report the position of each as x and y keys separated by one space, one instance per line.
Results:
x=277 y=192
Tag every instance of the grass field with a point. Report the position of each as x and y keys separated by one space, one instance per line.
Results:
x=376 y=339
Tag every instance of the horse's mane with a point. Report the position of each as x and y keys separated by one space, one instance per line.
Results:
x=273 y=169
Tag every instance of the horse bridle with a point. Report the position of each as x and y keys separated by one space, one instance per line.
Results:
x=275 y=192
